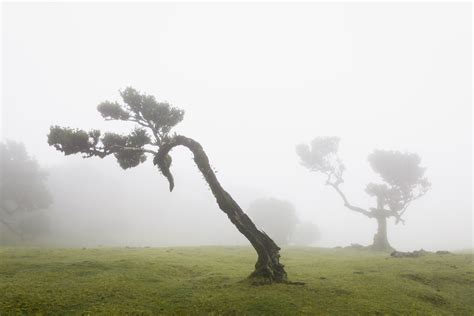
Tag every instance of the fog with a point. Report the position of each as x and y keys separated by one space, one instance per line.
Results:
x=255 y=80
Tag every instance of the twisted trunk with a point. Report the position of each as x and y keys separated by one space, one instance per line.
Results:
x=380 y=238
x=268 y=266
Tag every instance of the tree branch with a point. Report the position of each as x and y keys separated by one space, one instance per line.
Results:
x=156 y=133
x=405 y=207
x=138 y=119
x=398 y=217
x=349 y=205
x=137 y=149
x=102 y=152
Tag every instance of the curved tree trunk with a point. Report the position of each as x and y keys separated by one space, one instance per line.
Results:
x=380 y=238
x=268 y=266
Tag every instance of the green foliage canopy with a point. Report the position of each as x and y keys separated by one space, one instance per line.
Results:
x=321 y=156
x=154 y=121
x=403 y=176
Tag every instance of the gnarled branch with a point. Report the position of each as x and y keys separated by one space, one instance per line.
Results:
x=349 y=205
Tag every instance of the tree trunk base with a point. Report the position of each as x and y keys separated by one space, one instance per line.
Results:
x=381 y=244
x=267 y=277
x=268 y=274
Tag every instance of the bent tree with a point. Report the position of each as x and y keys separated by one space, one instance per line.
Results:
x=151 y=137
x=403 y=181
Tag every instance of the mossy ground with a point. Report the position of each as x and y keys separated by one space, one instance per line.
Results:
x=211 y=280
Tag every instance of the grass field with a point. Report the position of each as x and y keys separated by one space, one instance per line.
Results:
x=211 y=280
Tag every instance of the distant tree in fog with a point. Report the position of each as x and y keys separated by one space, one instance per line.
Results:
x=279 y=220
x=152 y=135
x=23 y=191
x=403 y=181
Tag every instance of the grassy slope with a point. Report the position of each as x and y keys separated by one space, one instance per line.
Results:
x=209 y=280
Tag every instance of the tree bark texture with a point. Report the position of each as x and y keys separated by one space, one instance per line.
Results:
x=268 y=266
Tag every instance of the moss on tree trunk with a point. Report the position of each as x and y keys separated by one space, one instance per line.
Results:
x=268 y=267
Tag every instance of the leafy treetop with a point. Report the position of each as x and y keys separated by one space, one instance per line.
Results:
x=321 y=156
x=403 y=176
x=154 y=121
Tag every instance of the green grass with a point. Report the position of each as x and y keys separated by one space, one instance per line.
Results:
x=211 y=280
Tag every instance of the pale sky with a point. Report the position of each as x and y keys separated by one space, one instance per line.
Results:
x=255 y=80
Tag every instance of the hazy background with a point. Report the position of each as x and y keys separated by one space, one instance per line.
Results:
x=255 y=80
